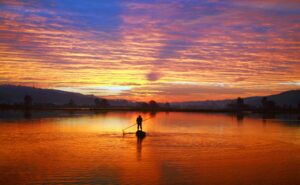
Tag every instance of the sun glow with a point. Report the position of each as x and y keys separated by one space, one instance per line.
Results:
x=140 y=50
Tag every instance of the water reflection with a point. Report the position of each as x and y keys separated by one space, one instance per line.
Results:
x=239 y=118
x=139 y=147
x=153 y=114
x=27 y=114
x=180 y=148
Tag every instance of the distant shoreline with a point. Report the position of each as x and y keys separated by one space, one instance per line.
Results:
x=134 y=109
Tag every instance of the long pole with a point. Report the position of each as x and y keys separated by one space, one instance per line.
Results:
x=134 y=125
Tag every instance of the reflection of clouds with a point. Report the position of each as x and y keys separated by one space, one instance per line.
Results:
x=252 y=46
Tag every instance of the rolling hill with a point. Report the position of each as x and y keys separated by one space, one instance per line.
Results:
x=11 y=94
x=288 y=98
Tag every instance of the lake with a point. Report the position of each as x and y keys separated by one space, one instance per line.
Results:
x=180 y=148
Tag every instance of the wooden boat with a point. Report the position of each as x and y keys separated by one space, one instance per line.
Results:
x=140 y=134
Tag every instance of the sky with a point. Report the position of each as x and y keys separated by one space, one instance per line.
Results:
x=166 y=50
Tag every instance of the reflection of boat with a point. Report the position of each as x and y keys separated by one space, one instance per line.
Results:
x=140 y=134
x=139 y=147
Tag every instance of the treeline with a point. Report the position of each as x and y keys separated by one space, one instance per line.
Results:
x=239 y=106
x=99 y=104
x=28 y=103
x=266 y=106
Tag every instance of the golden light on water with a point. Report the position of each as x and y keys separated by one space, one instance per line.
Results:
x=187 y=148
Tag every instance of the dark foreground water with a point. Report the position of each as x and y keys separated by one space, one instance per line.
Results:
x=180 y=148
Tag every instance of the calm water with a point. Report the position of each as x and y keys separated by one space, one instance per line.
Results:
x=180 y=148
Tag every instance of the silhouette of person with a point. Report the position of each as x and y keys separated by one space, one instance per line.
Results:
x=139 y=121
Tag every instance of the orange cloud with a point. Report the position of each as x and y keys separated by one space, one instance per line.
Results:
x=250 y=47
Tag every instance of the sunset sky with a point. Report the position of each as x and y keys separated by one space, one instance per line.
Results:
x=167 y=50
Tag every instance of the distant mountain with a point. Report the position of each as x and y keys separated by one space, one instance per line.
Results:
x=11 y=94
x=209 y=104
x=284 y=99
x=288 y=98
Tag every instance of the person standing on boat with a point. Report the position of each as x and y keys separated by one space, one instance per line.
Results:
x=139 y=121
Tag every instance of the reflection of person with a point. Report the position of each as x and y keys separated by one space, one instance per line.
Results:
x=139 y=148
x=139 y=121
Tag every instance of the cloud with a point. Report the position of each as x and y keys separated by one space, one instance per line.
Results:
x=153 y=76
x=279 y=5
x=212 y=44
x=98 y=90
x=290 y=83
x=240 y=79
x=173 y=92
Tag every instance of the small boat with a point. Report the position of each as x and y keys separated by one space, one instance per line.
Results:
x=140 y=134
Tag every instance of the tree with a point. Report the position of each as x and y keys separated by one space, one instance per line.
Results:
x=97 y=102
x=28 y=101
x=101 y=103
x=143 y=105
x=264 y=102
x=240 y=101
x=104 y=103
x=153 y=104
x=240 y=104
x=268 y=105
x=167 y=105
x=71 y=103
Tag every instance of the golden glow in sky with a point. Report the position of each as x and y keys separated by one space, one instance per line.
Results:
x=140 y=50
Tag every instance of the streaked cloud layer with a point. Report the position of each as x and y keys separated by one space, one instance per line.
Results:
x=141 y=50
